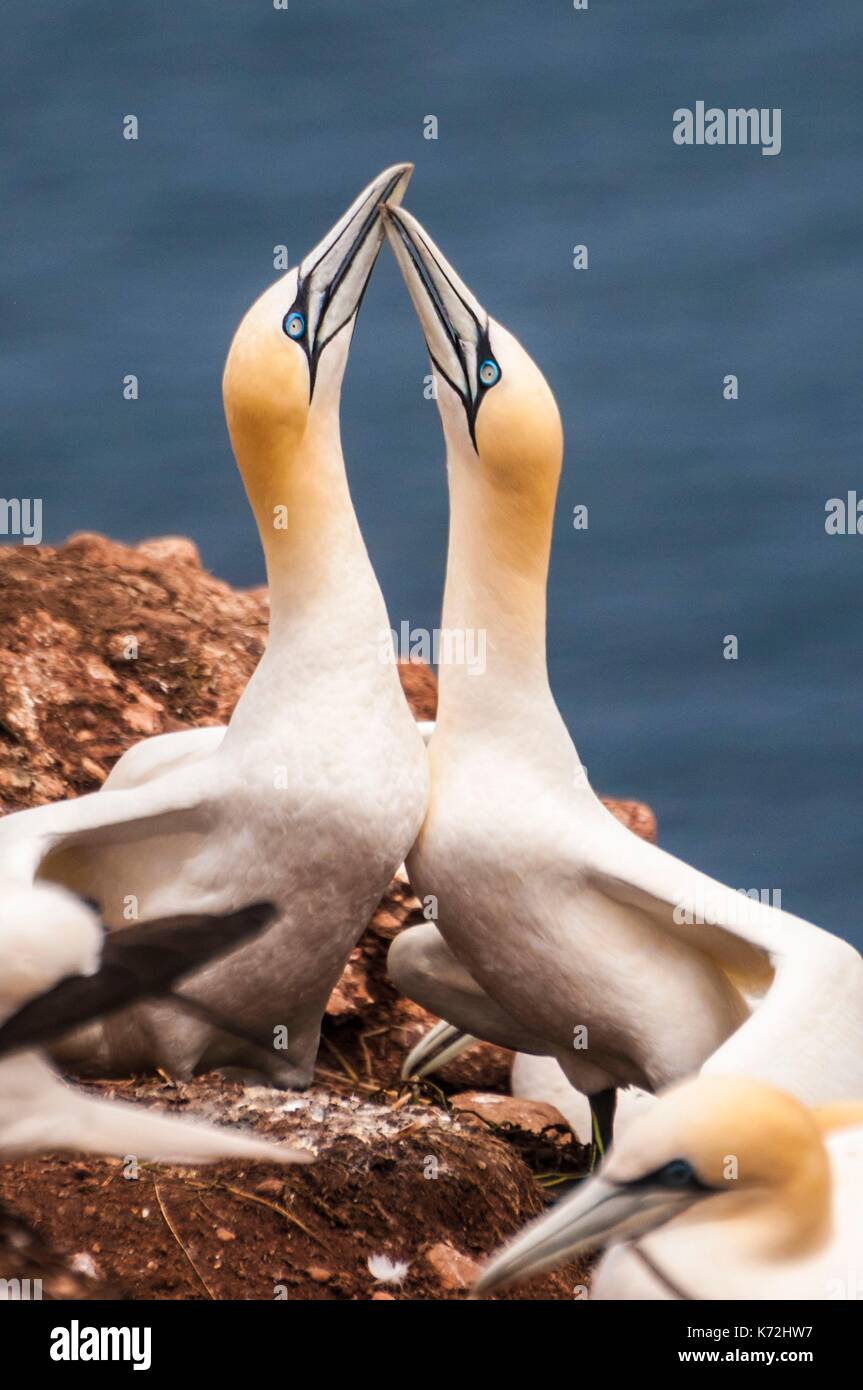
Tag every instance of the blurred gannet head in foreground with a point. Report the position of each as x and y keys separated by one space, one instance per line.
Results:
x=721 y=1155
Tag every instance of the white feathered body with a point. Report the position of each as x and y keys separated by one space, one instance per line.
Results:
x=313 y=810
x=506 y=851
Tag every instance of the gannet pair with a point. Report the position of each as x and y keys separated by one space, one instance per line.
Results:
x=725 y=1189
x=57 y=968
x=312 y=797
x=561 y=933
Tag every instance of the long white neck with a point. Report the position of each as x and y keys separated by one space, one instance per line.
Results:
x=327 y=612
x=497 y=572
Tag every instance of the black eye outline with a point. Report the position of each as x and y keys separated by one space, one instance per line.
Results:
x=294 y=314
x=314 y=347
x=678 y=1175
x=484 y=357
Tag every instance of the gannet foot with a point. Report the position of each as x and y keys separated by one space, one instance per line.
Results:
x=247 y=1076
x=286 y=1078
x=439 y=1046
x=291 y=1078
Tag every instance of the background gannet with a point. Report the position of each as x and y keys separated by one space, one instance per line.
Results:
x=725 y=1189
x=622 y=962
x=57 y=968
x=314 y=794
x=421 y=966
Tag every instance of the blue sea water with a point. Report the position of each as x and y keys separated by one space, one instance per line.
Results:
x=257 y=127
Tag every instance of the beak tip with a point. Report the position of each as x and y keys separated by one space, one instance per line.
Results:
x=398 y=188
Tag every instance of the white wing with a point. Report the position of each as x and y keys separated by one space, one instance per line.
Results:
x=154 y=757
x=106 y=817
x=805 y=1032
x=41 y=1114
x=422 y=966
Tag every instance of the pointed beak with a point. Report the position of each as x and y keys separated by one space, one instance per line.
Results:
x=454 y=323
x=333 y=277
x=599 y=1213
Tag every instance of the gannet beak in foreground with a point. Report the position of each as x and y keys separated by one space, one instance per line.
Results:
x=313 y=795
x=733 y=1180
x=58 y=970
x=606 y=1209
x=559 y=932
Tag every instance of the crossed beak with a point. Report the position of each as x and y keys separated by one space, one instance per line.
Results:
x=454 y=323
x=333 y=277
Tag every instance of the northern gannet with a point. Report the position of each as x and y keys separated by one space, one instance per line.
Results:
x=561 y=932
x=422 y=967
x=315 y=793
x=57 y=968
x=725 y=1189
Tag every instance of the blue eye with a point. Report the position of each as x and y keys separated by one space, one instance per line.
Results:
x=294 y=324
x=489 y=372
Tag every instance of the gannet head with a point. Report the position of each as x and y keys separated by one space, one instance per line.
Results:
x=499 y=417
x=46 y=934
x=726 y=1138
x=284 y=370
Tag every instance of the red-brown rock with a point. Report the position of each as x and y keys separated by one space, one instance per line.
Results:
x=453 y=1269
x=533 y=1116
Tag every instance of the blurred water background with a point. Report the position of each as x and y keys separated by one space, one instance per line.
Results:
x=258 y=126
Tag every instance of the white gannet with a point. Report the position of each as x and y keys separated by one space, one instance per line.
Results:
x=421 y=966
x=626 y=965
x=57 y=968
x=726 y=1189
x=315 y=793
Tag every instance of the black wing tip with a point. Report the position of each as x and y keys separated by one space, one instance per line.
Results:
x=258 y=915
